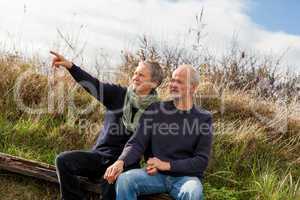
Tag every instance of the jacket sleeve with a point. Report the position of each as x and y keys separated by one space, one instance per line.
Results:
x=110 y=95
x=199 y=161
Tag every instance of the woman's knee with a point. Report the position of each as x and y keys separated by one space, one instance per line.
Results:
x=61 y=159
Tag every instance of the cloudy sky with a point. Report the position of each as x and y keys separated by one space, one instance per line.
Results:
x=109 y=26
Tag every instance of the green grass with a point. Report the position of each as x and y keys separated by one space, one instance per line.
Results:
x=38 y=140
x=275 y=184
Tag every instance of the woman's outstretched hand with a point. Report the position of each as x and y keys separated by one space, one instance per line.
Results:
x=59 y=60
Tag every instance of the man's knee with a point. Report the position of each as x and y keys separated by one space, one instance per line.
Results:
x=127 y=180
x=191 y=190
x=122 y=181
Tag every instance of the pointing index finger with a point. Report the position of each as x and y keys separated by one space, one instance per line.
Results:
x=56 y=54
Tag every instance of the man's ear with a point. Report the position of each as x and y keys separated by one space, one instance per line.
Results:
x=194 y=88
x=141 y=62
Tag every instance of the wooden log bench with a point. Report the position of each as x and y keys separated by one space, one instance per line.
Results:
x=47 y=172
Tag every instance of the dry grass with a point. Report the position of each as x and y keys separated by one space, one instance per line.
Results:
x=16 y=187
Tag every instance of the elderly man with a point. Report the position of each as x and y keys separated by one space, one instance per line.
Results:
x=124 y=109
x=178 y=136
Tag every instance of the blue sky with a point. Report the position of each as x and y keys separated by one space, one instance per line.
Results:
x=111 y=26
x=277 y=15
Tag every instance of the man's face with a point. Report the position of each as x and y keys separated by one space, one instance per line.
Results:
x=141 y=80
x=179 y=86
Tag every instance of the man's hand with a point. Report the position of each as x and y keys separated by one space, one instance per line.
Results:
x=113 y=171
x=151 y=170
x=59 y=60
x=155 y=164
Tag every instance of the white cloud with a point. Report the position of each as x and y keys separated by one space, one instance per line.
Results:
x=115 y=24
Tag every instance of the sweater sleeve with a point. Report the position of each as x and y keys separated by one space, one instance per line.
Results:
x=110 y=95
x=199 y=161
x=138 y=143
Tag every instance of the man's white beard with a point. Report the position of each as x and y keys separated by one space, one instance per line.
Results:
x=174 y=96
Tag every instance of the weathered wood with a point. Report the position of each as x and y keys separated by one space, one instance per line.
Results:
x=48 y=173
x=29 y=168
x=38 y=170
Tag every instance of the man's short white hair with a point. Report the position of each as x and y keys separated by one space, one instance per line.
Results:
x=193 y=74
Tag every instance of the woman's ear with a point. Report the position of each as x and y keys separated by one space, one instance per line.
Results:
x=153 y=85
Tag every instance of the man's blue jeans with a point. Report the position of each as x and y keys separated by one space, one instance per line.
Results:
x=136 y=182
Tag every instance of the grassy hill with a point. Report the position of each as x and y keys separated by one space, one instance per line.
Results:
x=256 y=150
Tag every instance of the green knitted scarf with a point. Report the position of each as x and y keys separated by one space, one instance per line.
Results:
x=141 y=103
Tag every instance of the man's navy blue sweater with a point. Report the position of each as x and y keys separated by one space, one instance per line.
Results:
x=113 y=136
x=182 y=138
